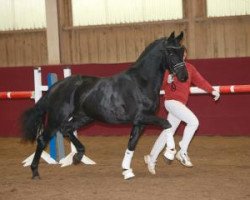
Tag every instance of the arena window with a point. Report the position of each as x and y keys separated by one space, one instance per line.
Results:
x=223 y=8
x=105 y=12
x=22 y=14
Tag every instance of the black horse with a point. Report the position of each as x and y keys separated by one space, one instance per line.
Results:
x=129 y=97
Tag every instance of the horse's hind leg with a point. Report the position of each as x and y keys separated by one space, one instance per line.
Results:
x=42 y=142
x=68 y=129
x=79 y=147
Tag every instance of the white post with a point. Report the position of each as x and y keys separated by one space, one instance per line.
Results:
x=38 y=87
x=66 y=72
x=37 y=83
x=68 y=160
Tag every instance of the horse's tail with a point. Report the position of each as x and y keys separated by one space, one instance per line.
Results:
x=32 y=120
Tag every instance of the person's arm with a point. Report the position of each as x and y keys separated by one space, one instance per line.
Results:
x=201 y=82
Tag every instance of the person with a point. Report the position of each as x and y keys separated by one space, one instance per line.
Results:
x=176 y=98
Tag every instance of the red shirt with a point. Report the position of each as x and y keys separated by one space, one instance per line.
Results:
x=182 y=91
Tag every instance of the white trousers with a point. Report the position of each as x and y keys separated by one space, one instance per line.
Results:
x=177 y=112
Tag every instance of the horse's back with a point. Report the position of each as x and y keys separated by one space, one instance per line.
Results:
x=62 y=97
x=64 y=89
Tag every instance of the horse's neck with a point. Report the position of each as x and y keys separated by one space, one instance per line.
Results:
x=150 y=72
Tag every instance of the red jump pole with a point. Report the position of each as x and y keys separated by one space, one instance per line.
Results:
x=234 y=89
x=17 y=95
x=224 y=89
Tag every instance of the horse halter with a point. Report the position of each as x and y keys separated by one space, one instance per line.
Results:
x=175 y=68
x=173 y=71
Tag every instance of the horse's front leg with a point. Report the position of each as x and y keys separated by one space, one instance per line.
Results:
x=133 y=140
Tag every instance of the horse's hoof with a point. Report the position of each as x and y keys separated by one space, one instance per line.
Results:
x=77 y=158
x=76 y=161
x=128 y=174
x=169 y=162
x=37 y=177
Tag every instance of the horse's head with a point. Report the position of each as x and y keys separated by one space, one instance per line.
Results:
x=174 y=56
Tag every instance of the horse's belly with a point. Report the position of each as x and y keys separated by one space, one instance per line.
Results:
x=114 y=115
x=108 y=113
x=108 y=106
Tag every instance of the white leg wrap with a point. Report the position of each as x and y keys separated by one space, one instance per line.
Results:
x=128 y=174
x=127 y=159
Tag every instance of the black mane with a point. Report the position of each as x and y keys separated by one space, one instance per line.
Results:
x=149 y=48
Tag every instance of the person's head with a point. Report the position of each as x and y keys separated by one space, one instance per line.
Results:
x=185 y=53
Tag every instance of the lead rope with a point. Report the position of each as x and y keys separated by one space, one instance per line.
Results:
x=173 y=87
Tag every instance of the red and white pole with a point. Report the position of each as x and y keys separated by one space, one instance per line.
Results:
x=17 y=95
x=224 y=89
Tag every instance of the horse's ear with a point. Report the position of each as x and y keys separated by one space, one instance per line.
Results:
x=172 y=36
x=179 y=37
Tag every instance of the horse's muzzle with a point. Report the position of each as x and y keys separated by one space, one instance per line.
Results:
x=180 y=71
x=182 y=75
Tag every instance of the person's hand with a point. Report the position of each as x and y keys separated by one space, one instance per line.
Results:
x=170 y=78
x=216 y=95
